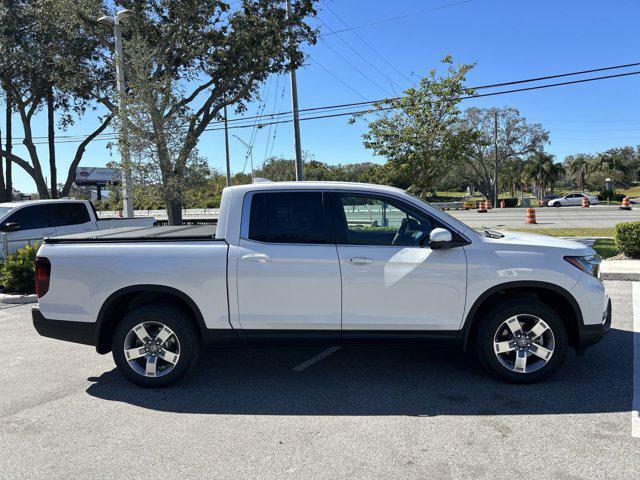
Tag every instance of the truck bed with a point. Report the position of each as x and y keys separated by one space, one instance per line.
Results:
x=142 y=234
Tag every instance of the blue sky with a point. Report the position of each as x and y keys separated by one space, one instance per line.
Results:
x=508 y=39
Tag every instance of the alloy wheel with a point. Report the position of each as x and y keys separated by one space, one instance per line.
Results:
x=152 y=349
x=524 y=343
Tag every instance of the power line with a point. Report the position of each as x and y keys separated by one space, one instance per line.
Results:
x=352 y=65
x=334 y=76
x=548 y=77
x=384 y=59
x=393 y=19
x=371 y=102
x=111 y=136
x=386 y=77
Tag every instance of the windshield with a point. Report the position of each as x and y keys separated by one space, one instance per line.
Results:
x=4 y=211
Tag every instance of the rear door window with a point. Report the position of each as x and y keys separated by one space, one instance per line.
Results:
x=288 y=217
x=64 y=214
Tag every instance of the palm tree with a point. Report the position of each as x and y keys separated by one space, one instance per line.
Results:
x=553 y=173
x=538 y=168
x=578 y=167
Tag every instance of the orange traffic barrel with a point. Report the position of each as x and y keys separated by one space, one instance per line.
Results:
x=585 y=202
x=487 y=204
x=531 y=216
x=482 y=206
x=626 y=204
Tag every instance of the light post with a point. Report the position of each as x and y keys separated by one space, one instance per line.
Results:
x=125 y=154
x=249 y=153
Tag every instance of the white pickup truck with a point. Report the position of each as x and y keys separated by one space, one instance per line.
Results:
x=324 y=263
x=30 y=221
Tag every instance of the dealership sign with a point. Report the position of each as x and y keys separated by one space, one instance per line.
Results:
x=96 y=176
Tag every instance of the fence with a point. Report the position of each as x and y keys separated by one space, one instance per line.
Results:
x=6 y=251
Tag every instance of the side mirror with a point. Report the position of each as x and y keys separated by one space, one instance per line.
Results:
x=440 y=238
x=10 y=227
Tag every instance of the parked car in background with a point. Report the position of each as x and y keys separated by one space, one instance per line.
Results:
x=321 y=263
x=572 y=199
x=30 y=221
x=544 y=201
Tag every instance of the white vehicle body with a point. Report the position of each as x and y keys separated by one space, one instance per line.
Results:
x=241 y=288
x=573 y=200
x=28 y=222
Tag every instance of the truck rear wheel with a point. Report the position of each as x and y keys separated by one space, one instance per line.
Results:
x=155 y=346
x=522 y=340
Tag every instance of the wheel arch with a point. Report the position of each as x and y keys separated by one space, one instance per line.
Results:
x=122 y=301
x=553 y=295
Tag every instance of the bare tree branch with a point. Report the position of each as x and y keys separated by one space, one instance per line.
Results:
x=80 y=152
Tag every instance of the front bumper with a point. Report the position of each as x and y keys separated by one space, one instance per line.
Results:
x=589 y=335
x=76 y=332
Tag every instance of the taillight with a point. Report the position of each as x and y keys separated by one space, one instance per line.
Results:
x=43 y=274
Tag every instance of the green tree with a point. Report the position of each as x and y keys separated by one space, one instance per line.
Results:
x=419 y=132
x=516 y=139
x=47 y=65
x=577 y=166
x=188 y=59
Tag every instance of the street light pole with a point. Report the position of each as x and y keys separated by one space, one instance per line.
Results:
x=296 y=117
x=125 y=153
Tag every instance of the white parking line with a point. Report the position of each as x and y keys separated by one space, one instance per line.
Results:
x=635 y=406
x=317 y=358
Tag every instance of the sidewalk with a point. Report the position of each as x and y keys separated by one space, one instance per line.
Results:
x=628 y=270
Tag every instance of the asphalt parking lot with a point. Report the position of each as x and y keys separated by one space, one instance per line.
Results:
x=360 y=412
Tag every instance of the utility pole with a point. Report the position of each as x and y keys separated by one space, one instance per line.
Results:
x=226 y=145
x=495 y=159
x=8 y=180
x=294 y=105
x=125 y=153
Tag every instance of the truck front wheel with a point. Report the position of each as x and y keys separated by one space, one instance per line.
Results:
x=155 y=346
x=521 y=340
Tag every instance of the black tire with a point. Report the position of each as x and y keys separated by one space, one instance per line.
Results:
x=186 y=338
x=557 y=204
x=527 y=308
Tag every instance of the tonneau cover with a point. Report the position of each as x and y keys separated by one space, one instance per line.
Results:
x=141 y=234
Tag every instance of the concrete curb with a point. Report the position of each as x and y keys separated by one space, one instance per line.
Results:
x=625 y=277
x=18 y=299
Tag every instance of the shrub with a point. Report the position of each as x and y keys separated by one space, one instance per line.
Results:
x=611 y=195
x=17 y=274
x=627 y=237
x=510 y=202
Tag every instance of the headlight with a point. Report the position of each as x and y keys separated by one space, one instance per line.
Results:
x=589 y=264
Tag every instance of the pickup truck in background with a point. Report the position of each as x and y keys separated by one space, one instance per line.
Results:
x=323 y=263
x=28 y=222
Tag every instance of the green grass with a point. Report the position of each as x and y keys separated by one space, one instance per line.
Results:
x=630 y=192
x=569 y=232
x=606 y=247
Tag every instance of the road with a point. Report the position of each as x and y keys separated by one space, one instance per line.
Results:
x=358 y=412
x=548 y=217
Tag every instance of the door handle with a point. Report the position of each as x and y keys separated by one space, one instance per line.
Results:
x=360 y=261
x=256 y=257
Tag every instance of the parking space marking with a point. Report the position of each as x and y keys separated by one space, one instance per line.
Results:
x=635 y=406
x=317 y=358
